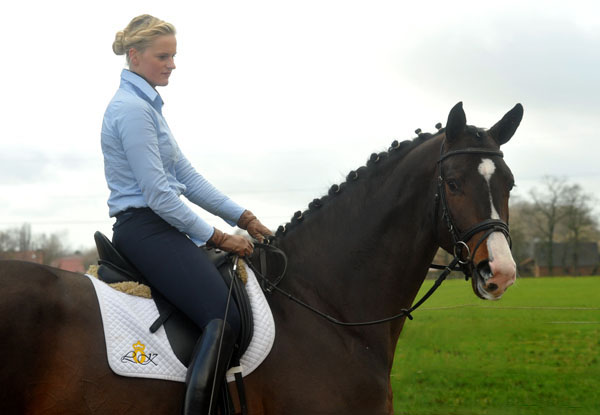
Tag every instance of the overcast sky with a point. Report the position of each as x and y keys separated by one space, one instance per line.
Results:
x=275 y=101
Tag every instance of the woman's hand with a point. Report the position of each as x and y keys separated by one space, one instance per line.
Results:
x=236 y=244
x=256 y=229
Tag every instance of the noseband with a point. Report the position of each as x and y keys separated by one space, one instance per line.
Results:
x=460 y=239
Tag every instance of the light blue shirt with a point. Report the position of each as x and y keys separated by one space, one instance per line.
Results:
x=144 y=166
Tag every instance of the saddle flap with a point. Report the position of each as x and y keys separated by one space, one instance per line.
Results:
x=110 y=275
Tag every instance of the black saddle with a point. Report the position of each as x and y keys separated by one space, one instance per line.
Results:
x=181 y=332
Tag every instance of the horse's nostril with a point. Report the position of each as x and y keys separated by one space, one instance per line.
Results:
x=492 y=287
x=484 y=269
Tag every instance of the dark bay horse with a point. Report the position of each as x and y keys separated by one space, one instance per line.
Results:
x=359 y=253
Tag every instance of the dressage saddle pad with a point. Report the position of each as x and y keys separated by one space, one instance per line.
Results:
x=132 y=350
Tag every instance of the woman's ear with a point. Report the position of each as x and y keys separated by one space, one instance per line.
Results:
x=132 y=53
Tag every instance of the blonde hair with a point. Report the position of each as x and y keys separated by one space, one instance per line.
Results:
x=140 y=33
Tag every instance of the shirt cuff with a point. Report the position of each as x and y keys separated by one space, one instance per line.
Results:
x=200 y=232
x=231 y=212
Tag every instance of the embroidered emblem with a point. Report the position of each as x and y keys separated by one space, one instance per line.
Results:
x=139 y=356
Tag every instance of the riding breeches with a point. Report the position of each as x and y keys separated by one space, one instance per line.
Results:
x=174 y=265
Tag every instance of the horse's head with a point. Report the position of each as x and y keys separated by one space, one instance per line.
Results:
x=474 y=184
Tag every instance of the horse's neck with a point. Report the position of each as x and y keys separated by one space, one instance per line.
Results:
x=372 y=244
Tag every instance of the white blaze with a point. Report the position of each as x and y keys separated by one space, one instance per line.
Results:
x=487 y=169
x=498 y=249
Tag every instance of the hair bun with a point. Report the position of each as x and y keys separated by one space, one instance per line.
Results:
x=140 y=33
x=119 y=44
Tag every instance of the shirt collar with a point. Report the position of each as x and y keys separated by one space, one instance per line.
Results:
x=143 y=87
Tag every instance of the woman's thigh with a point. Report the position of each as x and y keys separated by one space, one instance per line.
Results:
x=175 y=266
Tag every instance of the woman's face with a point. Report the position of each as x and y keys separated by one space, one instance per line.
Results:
x=156 y=62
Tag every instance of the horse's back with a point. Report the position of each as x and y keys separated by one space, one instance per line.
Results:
x=53 y=349
x=32 y=317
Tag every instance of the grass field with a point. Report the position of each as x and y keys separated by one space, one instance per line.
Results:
x=536 y=351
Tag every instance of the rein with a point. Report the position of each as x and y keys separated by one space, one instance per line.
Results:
x=403 y=312
x=457 y=264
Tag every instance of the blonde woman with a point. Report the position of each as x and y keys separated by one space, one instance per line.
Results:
x=146 y=173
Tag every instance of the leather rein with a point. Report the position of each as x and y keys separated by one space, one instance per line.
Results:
x=460 y=262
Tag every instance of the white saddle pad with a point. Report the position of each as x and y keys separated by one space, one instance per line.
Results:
x=133 y=351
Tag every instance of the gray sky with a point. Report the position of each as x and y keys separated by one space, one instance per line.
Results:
x=275 y=101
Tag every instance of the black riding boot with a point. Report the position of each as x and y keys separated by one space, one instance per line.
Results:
x=202 y=368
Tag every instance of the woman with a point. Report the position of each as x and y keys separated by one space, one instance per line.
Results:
x=146 y=173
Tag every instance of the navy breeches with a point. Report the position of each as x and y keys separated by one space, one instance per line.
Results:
x=174 y=265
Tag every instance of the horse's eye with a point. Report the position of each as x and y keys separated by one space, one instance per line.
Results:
x=511 y=186
x=452 y=185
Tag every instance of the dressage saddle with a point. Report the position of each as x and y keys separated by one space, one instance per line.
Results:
x=181 y=332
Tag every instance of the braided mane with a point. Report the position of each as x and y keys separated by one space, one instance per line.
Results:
x=395 y=153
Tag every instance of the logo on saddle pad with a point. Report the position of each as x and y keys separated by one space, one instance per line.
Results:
x=139 y=356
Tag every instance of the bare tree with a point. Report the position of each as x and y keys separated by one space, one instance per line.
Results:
x=7 y=242
x=25 y=237
x=15 y=239
x=521 y=231
x=578 y=220
x=51 y=245
x=547 y=212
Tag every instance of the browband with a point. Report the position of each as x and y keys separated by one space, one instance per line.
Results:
x=482 y=151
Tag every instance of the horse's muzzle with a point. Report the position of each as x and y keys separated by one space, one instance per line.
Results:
x=495 y=274
x=492 y=288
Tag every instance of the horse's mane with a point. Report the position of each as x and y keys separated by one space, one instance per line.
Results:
x=396 y=152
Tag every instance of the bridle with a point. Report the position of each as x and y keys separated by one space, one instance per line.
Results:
x=461 y=251
x=460 y=262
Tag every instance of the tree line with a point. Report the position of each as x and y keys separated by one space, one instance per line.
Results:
x=22 y=239
x=555 y=212
x=558 y=211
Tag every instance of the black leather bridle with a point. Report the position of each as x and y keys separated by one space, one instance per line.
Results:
x=461 y=251
x=460 y=262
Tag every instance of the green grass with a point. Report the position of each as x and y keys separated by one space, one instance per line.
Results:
x=536 y=351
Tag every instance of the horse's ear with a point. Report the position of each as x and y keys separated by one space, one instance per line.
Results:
x=506 y=127
x=457 y=122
